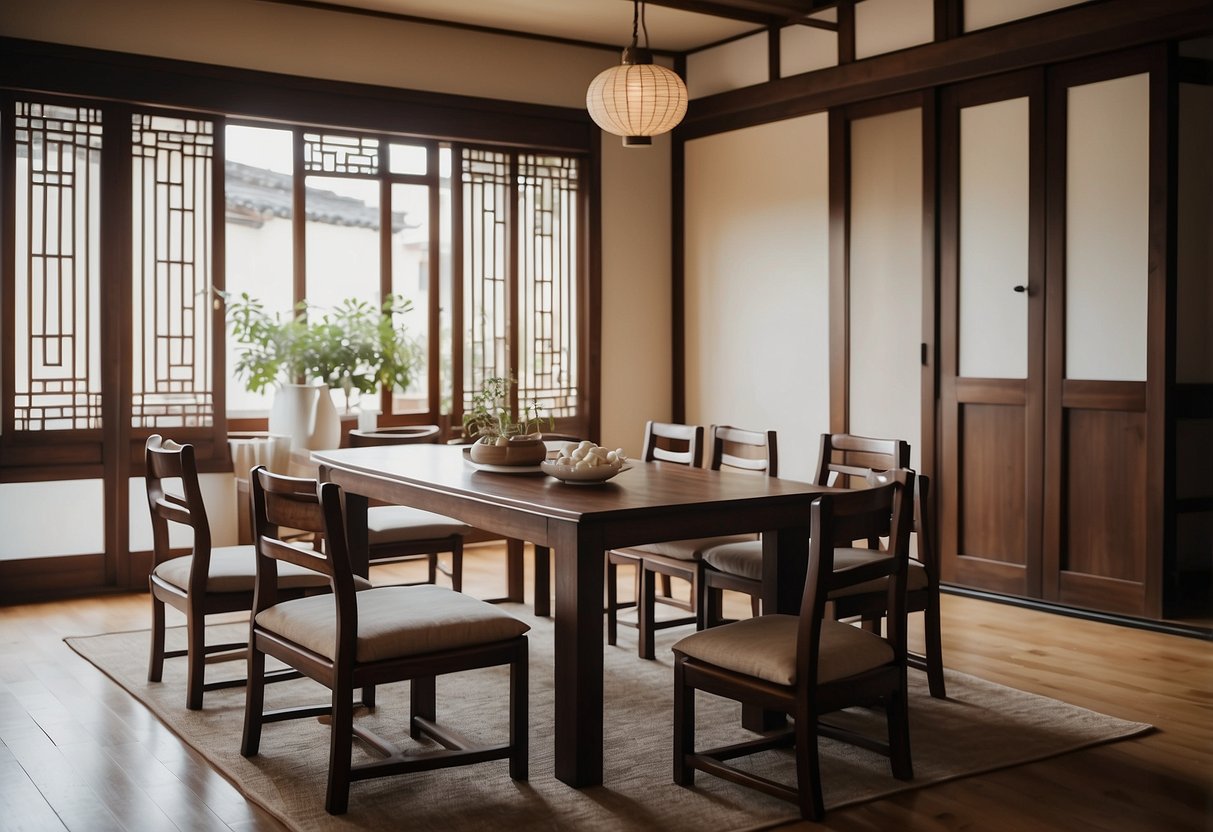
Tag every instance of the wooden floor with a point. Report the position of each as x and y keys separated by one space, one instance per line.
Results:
x=77 y=752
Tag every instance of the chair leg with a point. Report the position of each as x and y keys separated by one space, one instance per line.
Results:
x=713 y=606
x=431 y=568
x=612 y=603
x=423 y=701
x=934 y=648
x=456 y=565
x=543 y=581
x=341 y=746
x=808 y=767
x=646 y=611
x=698 y=597
x=684 y=725
x=155 y=664
x=519 y=748
x=195 y=659
x=897 y=710
x=368 y=696
x=254 y=702
x=755 y=605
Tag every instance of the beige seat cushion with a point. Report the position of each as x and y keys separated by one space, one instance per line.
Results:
x=234 y=569
x=394 y=621
x=916 y=576
x=685 y=549
x=397 y=524
x=743 y=558
x=765 y=647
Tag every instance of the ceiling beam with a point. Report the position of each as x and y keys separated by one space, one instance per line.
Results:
x=763 y=12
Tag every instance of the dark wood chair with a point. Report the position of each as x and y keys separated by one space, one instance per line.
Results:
x=808 y=665
x=847 y=461
x=732 y=448
x=400 y=533
x=381 y=635
x=206 y=581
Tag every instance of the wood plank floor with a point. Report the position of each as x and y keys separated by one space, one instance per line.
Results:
x=78 y=753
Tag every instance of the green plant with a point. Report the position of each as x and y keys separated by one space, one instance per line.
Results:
x=490 y=419
x=354 y=346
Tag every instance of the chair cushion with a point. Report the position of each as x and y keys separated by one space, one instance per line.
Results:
x=686 y=549
x=743 y=559
x=765 y=647
x=234 y=569
x=394 y=621
x=396 y=524
x=916 y=576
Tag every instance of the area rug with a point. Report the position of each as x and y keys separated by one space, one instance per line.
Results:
x=981 y=727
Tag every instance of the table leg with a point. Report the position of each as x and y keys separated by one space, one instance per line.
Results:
x=785 y=564
x=578 y=722
x=515 y=582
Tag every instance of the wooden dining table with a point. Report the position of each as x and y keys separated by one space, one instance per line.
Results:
x=649 y=503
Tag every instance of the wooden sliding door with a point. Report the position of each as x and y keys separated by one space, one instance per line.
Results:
x=1054 y=267
x=992 y=303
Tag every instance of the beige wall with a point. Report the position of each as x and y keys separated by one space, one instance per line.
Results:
x=347 y=47
x=757 y=257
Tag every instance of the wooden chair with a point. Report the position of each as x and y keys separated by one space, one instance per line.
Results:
x=399 y=533
x=846 y=460
x=808 y=665
x=730 y=448
x=207 y=581
x=381 y=635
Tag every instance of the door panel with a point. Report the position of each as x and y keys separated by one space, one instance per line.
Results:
x=991 y=333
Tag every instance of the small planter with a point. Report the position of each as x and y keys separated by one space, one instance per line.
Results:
x=518 y=450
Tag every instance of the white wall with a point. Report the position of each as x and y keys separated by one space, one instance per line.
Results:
x=757 y=311
x=356 y=48
x=888 y=25
x=886 y=277
x=730 y=66
x=978 y=14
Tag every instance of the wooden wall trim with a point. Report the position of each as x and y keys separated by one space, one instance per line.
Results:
x=1063 y=35
x=71 y=70
x=678 y=368
x=839 y=273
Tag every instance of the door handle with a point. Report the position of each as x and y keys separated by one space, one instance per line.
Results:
x=1022 y=290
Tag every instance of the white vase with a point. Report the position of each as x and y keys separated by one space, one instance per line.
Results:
x=306 y=414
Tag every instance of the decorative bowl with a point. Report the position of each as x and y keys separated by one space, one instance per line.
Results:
x=518 y=450
x=584 y=476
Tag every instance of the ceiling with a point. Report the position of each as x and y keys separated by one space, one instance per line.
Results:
x=673 y=25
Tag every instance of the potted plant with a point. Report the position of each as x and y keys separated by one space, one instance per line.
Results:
x=502 y=437
x=354 y=346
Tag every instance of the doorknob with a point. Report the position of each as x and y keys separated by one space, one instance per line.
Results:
x=1022 y=289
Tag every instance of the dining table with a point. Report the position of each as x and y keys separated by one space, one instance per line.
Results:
x=649 y=502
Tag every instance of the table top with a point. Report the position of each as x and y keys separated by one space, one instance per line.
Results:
x=645 y=487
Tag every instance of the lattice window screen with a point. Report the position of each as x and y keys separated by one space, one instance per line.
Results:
x=329 y=153
x=57 y=384
x=486 y=219
x=547 y=284
x=172 y=166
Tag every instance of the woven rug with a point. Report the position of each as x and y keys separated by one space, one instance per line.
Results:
x=980 y=727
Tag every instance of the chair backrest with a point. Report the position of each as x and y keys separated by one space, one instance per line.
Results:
x=747 y=450
x=299 y=504
x=668 y=442
x=847 y=459
x=850 y=515
x=165 y=459
x=407 y=435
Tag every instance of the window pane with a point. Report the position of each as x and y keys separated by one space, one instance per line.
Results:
x=411 y=279
x=57 y=378
x=172 y=336
x=342 y=248
x=407 y=158
x=259 y=223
